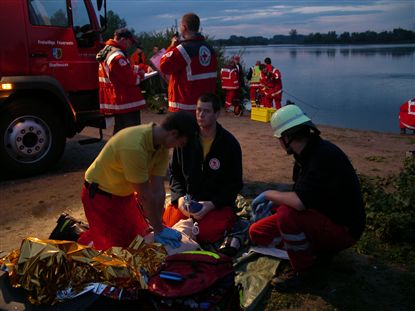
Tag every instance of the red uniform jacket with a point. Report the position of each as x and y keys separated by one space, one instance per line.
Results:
x=229 y=77
x=192 y=69
x=272 y=83
x=119 y=90
x=407 y=115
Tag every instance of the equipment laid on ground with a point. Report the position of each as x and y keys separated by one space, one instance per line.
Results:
x=262 y=114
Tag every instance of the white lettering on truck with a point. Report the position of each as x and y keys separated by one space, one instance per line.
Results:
x=46 y=42
x=54 y=65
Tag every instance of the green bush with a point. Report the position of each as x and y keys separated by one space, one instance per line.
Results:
x=390 y=211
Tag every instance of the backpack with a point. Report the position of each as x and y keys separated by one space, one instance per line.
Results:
x=195 y=280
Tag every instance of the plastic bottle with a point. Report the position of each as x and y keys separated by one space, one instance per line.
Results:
x=191 y=205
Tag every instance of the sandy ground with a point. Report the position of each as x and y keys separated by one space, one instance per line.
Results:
x=30 y=207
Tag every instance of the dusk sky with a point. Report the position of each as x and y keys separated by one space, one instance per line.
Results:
x=220 y=19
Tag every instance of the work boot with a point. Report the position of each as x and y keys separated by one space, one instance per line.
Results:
x=290 y=281
x=68 y=228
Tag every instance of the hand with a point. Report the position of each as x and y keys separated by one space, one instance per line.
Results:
x=258 y=200
x=263 y=210
x=168 y=236
x=175 y=40
x=182 y=207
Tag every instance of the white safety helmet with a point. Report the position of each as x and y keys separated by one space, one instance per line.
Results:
x=287 y=118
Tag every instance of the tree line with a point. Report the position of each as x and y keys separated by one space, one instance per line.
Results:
x=397 y=35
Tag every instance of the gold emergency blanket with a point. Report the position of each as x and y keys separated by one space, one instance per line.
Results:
x=42 y=267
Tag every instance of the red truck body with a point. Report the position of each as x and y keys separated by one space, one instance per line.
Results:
x=48 y=79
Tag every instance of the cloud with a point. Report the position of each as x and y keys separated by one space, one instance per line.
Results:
x=222 y=19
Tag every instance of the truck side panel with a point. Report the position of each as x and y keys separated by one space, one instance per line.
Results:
x=54 y=49
x=13 y=38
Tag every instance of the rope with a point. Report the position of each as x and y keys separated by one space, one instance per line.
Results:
x=300 y=100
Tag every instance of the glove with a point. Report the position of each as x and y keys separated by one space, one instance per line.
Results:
x=168 y=236
x=262 y=210
x=258 y=200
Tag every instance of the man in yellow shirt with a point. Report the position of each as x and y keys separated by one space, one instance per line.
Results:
x=124 y=191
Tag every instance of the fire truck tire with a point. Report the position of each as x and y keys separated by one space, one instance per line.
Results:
x=32 y=138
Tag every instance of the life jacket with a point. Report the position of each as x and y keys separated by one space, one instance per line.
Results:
x=256 y=76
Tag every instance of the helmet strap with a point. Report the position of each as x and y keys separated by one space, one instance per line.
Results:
x=287 y=145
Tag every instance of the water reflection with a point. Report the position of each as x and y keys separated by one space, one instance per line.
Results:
x=354 y=86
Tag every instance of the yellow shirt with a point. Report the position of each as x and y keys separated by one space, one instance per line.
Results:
x=128 y=158
x=206 y=144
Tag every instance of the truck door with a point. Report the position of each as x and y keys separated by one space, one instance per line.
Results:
x=63 y=42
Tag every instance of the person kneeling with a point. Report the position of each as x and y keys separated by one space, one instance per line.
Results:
x=210 y=171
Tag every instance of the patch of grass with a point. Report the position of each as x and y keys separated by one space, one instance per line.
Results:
x=381 y=267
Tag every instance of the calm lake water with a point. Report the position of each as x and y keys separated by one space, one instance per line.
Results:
x=352 y=86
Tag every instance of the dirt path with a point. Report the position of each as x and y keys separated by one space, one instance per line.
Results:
x=30 y=207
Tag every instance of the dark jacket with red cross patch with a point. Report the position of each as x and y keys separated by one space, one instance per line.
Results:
x=217 y=178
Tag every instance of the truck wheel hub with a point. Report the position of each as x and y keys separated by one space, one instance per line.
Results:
x=27 y=139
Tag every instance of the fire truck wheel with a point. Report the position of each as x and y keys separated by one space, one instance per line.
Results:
x=32 y=138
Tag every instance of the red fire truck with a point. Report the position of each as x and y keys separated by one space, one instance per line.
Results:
x=48 y=79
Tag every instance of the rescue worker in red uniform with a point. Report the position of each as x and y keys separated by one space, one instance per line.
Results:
x=407 y=116
x=210 y=171
x=229 y=76
x=191 y=64
x=139 y=58
x=271 y=87
x=124 y=193
x=119 y=92
x=324 y=212
x=254 y=76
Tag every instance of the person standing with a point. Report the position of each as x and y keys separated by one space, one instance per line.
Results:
x=124 y=191
x=254 y=76
x=210 y=171
x=191 y=64
x=324 y=212
x=271 y=87
x=119 y=92
x=229 y=77
x=138 y=57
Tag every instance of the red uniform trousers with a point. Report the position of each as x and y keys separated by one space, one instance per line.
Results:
x=304 y=234
x=113 y=220
x=232 y=98
x=252 y=93
x=212 y=227
x=271 y=96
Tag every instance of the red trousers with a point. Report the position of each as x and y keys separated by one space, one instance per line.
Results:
x=252 y=94
x=267 y=100
x=212 y=227
x=232 y=98
x=113 y=220
x=303 y=234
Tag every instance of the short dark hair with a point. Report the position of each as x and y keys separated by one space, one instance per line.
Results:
x=262 y=66
x=183 y=122
x=267 y=60
x=192 y=21
x=211 y=98
x=124 y=33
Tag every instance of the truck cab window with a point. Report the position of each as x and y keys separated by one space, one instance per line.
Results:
x=84 y=34
x=48 y=13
